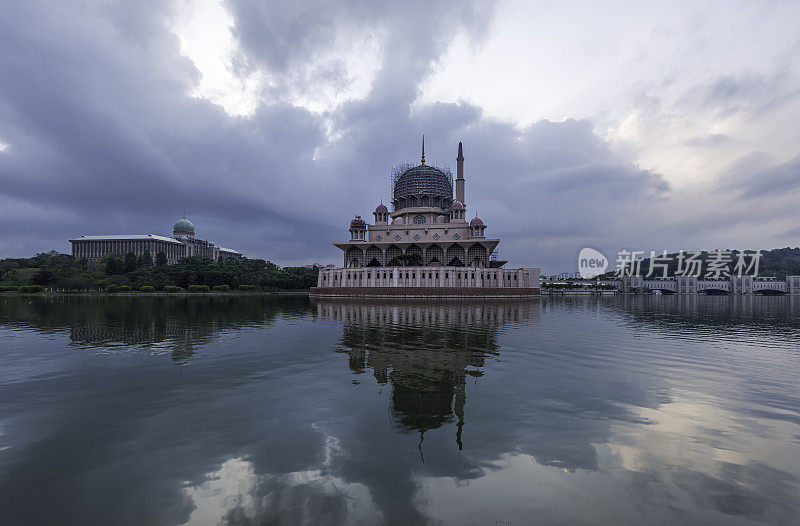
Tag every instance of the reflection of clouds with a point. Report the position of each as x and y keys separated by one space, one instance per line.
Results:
x=668 y=416
x=680 y=431
x=593 y=412
x=718 y=457
x=515 y=489
x=236 y=494
x=2 y=434
x=230 y=487
x=518 y=490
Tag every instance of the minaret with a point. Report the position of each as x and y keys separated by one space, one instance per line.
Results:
x=460 y=175
x=423 y=149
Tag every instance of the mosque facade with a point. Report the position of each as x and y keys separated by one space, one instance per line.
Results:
x=426 y=245
x=182 y=244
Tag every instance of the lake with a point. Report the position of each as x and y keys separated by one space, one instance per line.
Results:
x=260 y=409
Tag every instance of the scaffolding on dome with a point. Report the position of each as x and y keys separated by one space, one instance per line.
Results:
x=396 y=172
x=402 y=168
x=427 y=182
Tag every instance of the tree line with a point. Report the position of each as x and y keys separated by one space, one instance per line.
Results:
x=53 y=270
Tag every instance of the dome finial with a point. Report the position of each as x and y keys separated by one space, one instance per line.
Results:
x=423 y=149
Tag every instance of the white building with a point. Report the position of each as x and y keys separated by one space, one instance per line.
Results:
x=182 y=244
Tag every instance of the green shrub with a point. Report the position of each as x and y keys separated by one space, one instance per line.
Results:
x=247 y=287
x=198 y=288
x=31 y=288
x=7 y=288
x=112 y=288
x=221 y=288
x=146 y=288
x=171 y=288
x=125 y=288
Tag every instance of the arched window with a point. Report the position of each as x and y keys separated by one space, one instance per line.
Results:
x=419 y=219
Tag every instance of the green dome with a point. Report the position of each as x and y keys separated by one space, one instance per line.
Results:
x=183 y=225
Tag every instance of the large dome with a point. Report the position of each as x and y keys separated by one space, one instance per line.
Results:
x=423 y=185
x=183 y=225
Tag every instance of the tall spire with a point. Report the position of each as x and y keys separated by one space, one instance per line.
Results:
x=423 y=149
x=460 y=175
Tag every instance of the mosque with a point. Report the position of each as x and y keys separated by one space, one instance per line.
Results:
x=425 y=246
x=182 y=244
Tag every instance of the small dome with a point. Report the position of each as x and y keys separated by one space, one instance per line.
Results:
x=456 y=205
x=358 y=224
x=382 y=208
x=476 y=221
x=399 y=221
x=183 y=225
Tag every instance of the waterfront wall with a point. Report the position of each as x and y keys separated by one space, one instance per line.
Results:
x=428 y=280
x=426 y=292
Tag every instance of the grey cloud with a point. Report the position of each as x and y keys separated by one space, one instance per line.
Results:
x=104 y=138
x=710 y=140
x=283 y=35
x=752 y=180
x=755 y=92
x=793 y=232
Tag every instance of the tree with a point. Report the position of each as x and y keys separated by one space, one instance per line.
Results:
x=161 y=259
x=114 y=266
x=131 y=262
x=146 y=260
x=42 y=277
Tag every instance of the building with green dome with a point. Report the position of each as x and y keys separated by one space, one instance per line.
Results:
x=183 y=243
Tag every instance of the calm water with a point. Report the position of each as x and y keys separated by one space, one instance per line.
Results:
x=285 y=410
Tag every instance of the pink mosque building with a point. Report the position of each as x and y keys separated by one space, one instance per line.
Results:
x=425 y=246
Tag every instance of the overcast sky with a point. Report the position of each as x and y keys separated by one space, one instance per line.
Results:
x=613 y=125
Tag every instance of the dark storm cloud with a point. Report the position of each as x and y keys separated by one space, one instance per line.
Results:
x=104 y=138
x=753 y=92
x=102 y=129
x=283 y=36
x=753 y=182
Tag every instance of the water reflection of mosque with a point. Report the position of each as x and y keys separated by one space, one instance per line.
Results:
x=425 y=351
